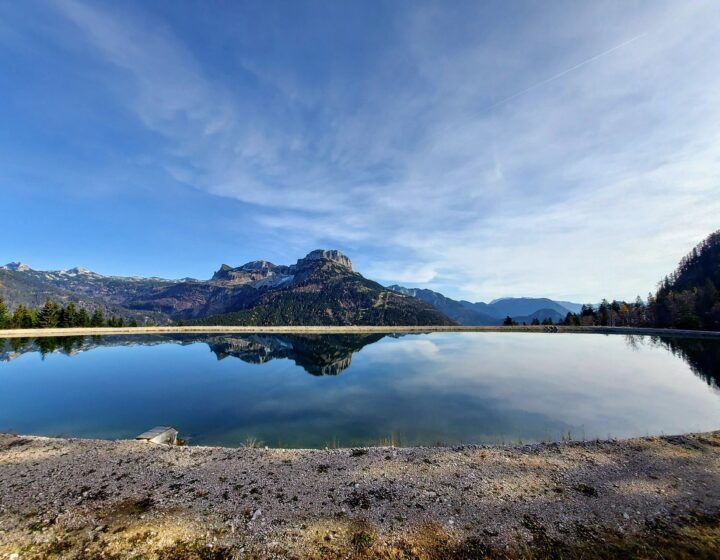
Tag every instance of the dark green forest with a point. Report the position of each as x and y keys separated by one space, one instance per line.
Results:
x=53 y=315
x=690 y=297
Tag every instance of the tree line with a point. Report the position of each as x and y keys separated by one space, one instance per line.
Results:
x=53 y=315
x=688 y=298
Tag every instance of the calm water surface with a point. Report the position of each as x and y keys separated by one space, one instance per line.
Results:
x=348 y=390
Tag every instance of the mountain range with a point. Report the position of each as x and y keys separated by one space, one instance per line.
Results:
x=522 y=309
x=319 y=289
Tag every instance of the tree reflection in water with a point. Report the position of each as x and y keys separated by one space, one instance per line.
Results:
x=327 y=354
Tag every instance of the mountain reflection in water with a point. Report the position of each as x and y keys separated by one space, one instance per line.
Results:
x=417 y=389
x=327 y=354
x=323 y=354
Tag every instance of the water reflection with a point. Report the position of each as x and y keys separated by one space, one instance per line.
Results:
x=701 y=354
x=362 y=389
x=327 y=354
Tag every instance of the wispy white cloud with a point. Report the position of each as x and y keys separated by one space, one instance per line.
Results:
x=579 y=163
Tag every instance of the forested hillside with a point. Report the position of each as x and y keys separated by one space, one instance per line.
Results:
x=689 y=298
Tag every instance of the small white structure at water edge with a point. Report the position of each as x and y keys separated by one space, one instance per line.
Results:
x=160 y=434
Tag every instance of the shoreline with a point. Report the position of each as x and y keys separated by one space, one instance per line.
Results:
x=350 y=329
x=117 y=499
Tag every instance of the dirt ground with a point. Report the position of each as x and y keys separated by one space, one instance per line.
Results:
x=645 y=498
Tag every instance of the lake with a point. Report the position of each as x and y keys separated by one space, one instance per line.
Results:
x=356 y=390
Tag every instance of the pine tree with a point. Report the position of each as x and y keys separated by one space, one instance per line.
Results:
x=133 y=323
x=708 y=298
x=508 y=322
x=23 y=318
x=68 y=316
x=4 y=317
x=48 y=316
x=83 y=320
x=604 y=313
x=97 y=319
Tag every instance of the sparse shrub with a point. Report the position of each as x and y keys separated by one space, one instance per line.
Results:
x=363 y=540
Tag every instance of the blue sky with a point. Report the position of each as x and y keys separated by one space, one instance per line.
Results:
x=483 y=149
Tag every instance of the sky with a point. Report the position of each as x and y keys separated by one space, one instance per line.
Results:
x=482 y=149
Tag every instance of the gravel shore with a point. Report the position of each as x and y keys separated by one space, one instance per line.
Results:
x=74 y=498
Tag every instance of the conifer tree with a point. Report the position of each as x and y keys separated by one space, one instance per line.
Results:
x=67 y=317
x=23 y=318
x=4 y=317
x=48 y=316
x=83 y=320
x=97 y=319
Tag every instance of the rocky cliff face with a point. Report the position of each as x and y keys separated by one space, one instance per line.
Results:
x=320 y=254
x=254 y=273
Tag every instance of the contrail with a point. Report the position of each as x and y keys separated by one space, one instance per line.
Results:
x=567 y=71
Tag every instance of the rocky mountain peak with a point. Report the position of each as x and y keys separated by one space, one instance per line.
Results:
x=222 y=272
x=257 y=265
x=78 y=270
x=332 y=255
x=17 y=266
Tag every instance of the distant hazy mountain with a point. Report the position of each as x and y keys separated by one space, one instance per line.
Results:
x=320 y=289
x=540 y=315
x=454 y=309
x=493 y=313
x=569 y=305
x=517 y=307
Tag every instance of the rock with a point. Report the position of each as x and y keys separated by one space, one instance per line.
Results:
x=18 y=267
x=331 y=255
